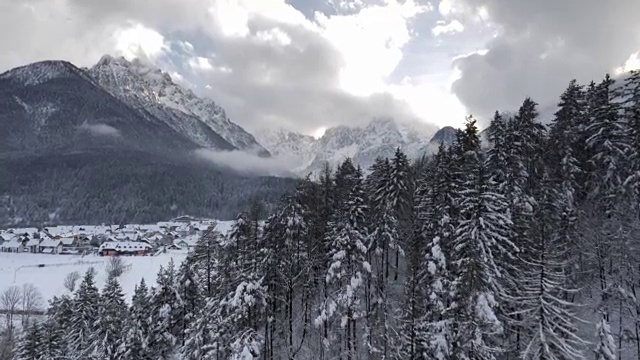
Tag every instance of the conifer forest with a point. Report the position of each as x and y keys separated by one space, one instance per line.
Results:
x=522 y=242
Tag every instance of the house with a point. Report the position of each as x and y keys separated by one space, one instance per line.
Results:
x=33 y=245
x=118 y=248
x=13 y=246
x=179 y=244
x=50 y=246
x=68 y=242
x=188 y=242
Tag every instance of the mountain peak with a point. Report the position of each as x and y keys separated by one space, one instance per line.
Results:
x=143 y=85
x=107 y=60
x=446 y=135
x=40 y=72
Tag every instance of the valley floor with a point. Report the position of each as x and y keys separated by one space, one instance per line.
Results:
x=47 y=272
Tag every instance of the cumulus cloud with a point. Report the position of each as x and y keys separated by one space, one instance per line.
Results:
x=539 y=46
x=246 y=163
x=100 y=129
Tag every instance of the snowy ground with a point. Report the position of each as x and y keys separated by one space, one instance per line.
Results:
x=19 y=269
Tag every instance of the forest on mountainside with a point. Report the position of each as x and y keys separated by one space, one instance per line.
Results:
x=526 y=249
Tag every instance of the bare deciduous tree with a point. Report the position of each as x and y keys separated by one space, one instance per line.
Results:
x=9 y=302
x=70 y=281
x=116 y=266
x=32 y=302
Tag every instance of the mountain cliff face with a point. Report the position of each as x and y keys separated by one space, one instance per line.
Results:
x=73 y=151
x=446 y=135
x=147 y=88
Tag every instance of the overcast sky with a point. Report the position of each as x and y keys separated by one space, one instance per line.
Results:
x=311 y=64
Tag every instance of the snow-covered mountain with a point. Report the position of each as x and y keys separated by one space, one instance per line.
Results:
x=291 y=147
x=146 y=88
x=446 y=135
x=379 y=138
x=72 y=151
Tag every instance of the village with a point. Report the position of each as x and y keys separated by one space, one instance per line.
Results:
x=180 y=234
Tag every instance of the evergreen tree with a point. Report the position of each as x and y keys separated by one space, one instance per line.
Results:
x=137 y=332
x=109 y=337
x=548 y=318
x=85 y=311
x=202 y=260
x=607 y=141
x=631 y=108
x=164 y=305
x=439 y=232
x=59 y=319
x=482 y=236
x=206 y=335
x=31 y=346
x=52 y=345
x=190 y=295
x=349 y=267
x=564 y=140
x=605 y=344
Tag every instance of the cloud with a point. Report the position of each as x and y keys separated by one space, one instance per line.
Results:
x=100 y=129
x=248 y=163
x=539 y=46
x=452 y=27
x=268 y=63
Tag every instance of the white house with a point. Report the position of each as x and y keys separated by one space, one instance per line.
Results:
x=13 y=246
x=51 y=246
x=32 y=245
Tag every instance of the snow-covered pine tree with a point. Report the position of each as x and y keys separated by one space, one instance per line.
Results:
x=381 y=336
x=565 y=148
x=482 y=238
x=548 y=319
x=206 y=336
x=59 y=315
x=290 y=274
x=348 y=267
x=563 y=140
x=243 y=295
x=52 y=345
x=138 y=327
x=515 y=163
x=498 y=154
x=438 y=231
x=31 y=344
x=190 y=295
x=164 y=305
x=608 y=142
x=109 y=337
x=605 y=344
x=377 y=183
x=611 y=245
x=81 y=332
x=202 y=259
x=631 y=112
x=399 y=197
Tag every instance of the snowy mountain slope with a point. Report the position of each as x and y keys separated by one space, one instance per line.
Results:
x=72 y=151
x=147 y=88
x=285 y=142
x=54 y=106
x=379 y=138
x=291 y=147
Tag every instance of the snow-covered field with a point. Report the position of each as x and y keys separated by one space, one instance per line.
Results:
x=24 y=268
